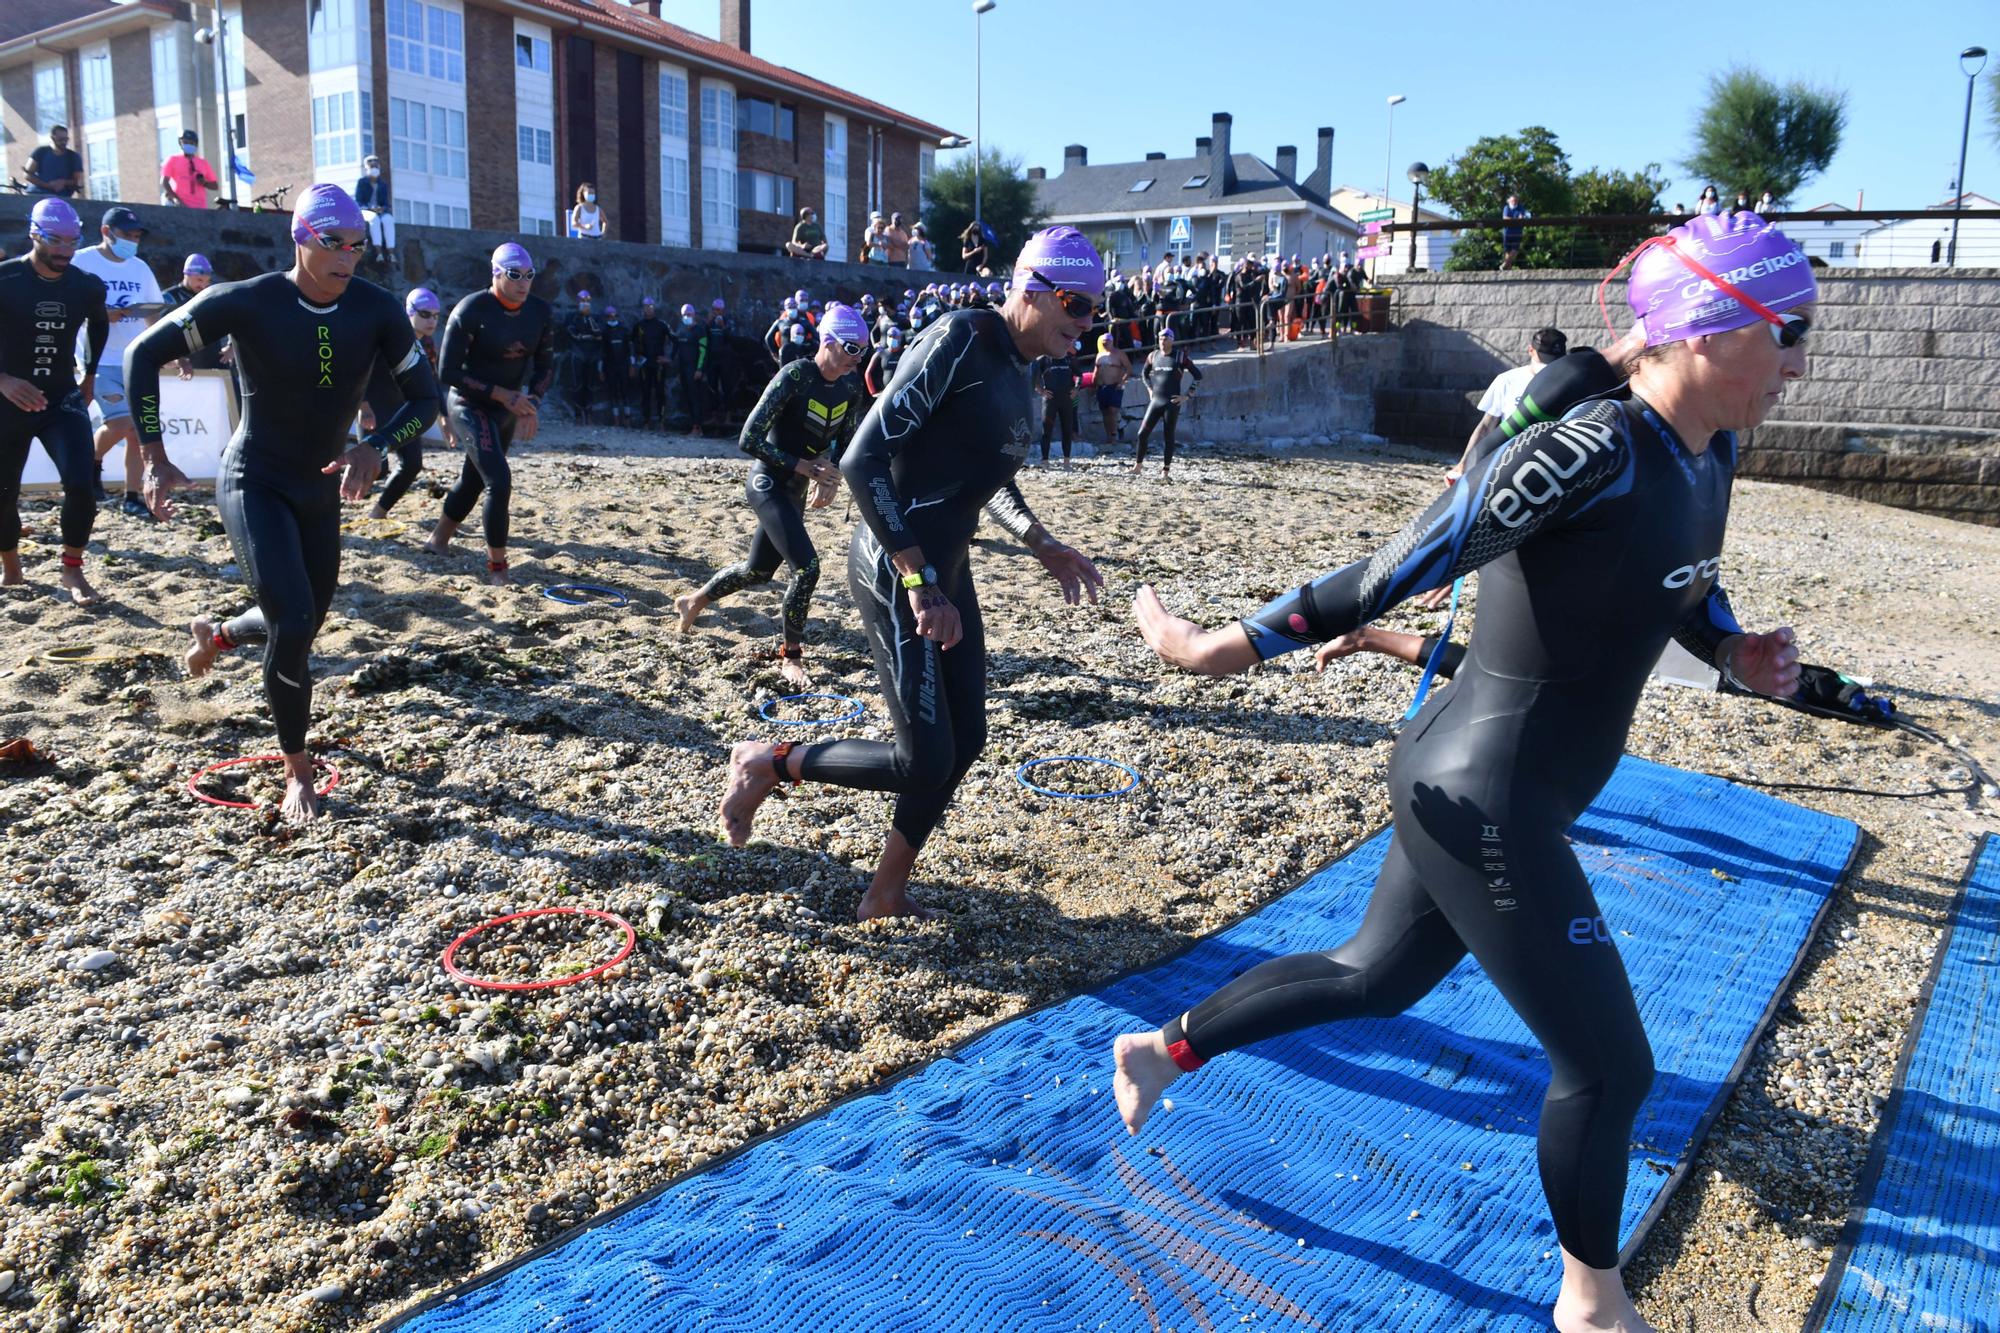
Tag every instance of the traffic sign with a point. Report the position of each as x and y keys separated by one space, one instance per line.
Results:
x=1378 y=215
x=1145 y=253
x=1371 y=229
x=1180 y=231
x=1371 y=252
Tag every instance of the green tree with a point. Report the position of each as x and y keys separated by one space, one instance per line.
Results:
x=1993 y=101
x=1755 y=136
x=1006 y=195
x=1477 y=182
x=1613 y=194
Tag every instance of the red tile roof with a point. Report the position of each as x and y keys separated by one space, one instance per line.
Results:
x=640 y=24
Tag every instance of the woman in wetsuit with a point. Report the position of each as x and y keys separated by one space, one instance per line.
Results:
x=1600 y=537
x=796 y=433
x=938 y=449
x=1166 y=369
x=423 y=308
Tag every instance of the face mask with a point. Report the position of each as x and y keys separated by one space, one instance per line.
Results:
x=590 y=196
x=123 y=248
x=187 y=149
x=374 y=171
x=687 y=321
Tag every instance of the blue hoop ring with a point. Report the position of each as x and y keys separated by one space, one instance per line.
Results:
x=553 y=593
x=1021 y=776
x=764 y=711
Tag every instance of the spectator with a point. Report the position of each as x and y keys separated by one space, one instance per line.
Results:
x=1766 y=204
x=974 y=248
x=899 y=242
x=185 y=178
x=1709 y=204
x=923 y=255
x=808 y=237
x=586 y=219
x=875 y=245
x=1277 y=289
x=54 y=168
x=132 y=296
x=372 y=193
x=1680 y=210
x=1742 y=204
x=1510 y=237
x=1503 y=395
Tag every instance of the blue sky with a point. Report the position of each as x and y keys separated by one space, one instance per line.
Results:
x=1618 y=93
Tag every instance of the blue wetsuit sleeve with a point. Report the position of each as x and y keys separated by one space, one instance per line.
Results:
x=184 y=331
x=923 y=378
x=1556 y=390
x=1546 y=475
x=756 y=439
x=1702 y=633
x=404 y=355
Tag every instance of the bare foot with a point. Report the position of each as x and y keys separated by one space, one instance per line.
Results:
x=1575 y=1314
x=893 y=902
x=497 y=578
x=1144 y=1072
x=689 y=605
x=377 y=514
x=80 y=591
x=301 y=801
x=12 y=578
x=434 y=547
x=201 y=654
x=750 y=781
x=793 y=672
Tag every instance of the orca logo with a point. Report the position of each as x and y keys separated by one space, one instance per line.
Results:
x=760 y=481
x=1687 y=574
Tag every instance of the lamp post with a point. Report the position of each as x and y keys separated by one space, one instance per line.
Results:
x=979 y=7
x=218 y=37
x=1419 y=174
x=1971 y=60
x=1389 y=156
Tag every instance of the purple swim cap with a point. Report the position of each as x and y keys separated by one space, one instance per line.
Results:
x=583 y=296
x=802 y=296
x=421 y=298
x=843 y=323
x=717 y=304
x=995 y=289
x=197 y=264
x=512 y=255
x=1674 y=300
x=54 y=217
x=1065 y=257
x=687 y=309
x=324 y=208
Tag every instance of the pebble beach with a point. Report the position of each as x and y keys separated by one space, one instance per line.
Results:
x=239 y=1091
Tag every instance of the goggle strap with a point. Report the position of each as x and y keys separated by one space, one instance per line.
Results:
x=1695 y=266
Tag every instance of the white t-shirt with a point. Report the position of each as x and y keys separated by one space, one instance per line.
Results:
x=1503 y=395
x=126 y=282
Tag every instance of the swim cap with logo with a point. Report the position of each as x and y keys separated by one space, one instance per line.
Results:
x=843 y=323
x=324 y=209
x=421 y=298
x=1065 y=257
x=1674 y=301
x=687 y=309
x=196 y=264
x=55 y=218
x=512 y=255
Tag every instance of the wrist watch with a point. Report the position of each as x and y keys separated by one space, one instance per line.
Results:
x=923 y=577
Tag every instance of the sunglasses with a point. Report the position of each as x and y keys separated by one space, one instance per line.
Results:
x=1074 y=304
x=329 y=243
x=515 y=274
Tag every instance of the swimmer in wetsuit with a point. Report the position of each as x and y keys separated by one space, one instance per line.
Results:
x=796 y=433
x=44 y=301
x=1165 y=371
x=305 y=342
x=496 y=363
x=424 y=310
x=1600 y=537
x=1055 y=380
x=940 y=447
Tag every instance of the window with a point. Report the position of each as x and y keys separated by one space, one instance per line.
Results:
x=424 y=39
x=330 y=34
x=788 y=124
x=422 y=214
x=760 y=116
x=336 y=130
x=833 y=217
x=1123 y=245
x=427 y=138
x=51 y=97
x=1140 y=186
x=1836 y=249
x=762 y=192
x=673 y=105
x=718 y=198
x=536 y=145
x=538 y=226
x=100 y=157
x=97 y=103
x=926 y=168
x=1195 y=182
x=674 y=194
x=1271 y=233
x=718 y=120
x=1225 y=237
x=367 y=123
x=531 y=53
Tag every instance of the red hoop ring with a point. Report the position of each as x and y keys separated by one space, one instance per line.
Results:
x=333 y=779
x=451 y=950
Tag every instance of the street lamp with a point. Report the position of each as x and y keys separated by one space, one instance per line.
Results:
x=218 y=37
x=979 y=7
x=1389 y=156
x=1971 y=60
x=1419 y=174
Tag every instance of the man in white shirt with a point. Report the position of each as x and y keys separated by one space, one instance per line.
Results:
x=132 y=297
x=1503 y=395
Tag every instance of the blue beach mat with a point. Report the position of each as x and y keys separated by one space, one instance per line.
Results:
x=1373 y=1175
x=1923 y=1248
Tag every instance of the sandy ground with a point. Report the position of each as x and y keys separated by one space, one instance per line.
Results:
x=269 y=1108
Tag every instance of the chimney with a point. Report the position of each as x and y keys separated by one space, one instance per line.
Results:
x=1288 y=162
x=1221 y=166
x=1038 y=173
x=1156 y=157
x=1202 y=145
x=735 y=23
x=1075 y=155
x=1321 y=181
x=647 y=7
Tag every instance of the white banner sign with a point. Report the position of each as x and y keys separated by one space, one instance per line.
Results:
x=197 y=417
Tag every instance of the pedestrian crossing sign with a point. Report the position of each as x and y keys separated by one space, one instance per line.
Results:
x=1180 y=231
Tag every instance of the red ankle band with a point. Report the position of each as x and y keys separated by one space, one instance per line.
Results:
x=497 y=566
x=1183 y=1055
x=221 y=638
x=72 y=562
x=778 y=757
x=791 y=650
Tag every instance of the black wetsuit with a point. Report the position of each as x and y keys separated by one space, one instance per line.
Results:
x=801 y=415
x=584 y=337
x=1599 y=537
x=488 y=347
x=303 y=370
x=384 y=397
x=39 y=320
x=617 y=368
x=1164 y=373
x=687 y=353
x=881 y=368
x=1056 y=376
x=939 y=447
x=208 y=358
x=649 y=349
x=721 y=367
